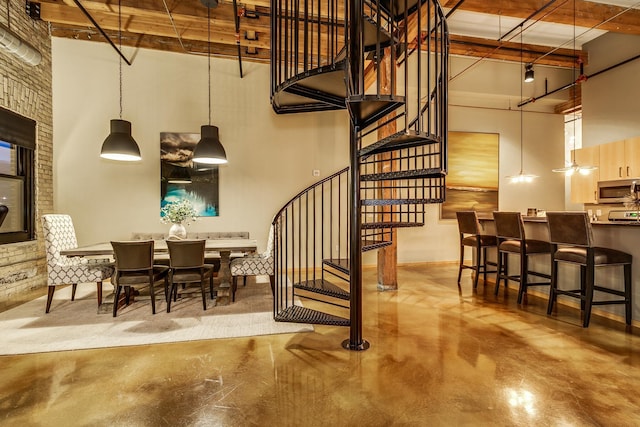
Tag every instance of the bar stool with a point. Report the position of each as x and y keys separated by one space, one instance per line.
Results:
x=573 y=231
x=512 y=240
x=470 y=235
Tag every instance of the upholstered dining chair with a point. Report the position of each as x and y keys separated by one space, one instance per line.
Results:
x=59 y=235
x=186 y=265
x=254 y=265
x=135 y=269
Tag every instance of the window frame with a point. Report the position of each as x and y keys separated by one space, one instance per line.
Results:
x=19 y=131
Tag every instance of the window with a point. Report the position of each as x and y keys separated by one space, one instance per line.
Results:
x=17 y=145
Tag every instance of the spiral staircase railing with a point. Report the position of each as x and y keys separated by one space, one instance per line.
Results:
x=385 y=62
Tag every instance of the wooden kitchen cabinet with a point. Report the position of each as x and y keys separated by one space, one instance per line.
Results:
x=620 y=159
x=584 y=188
x=632 y=154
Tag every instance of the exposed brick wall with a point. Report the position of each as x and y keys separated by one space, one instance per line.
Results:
x=27 y=90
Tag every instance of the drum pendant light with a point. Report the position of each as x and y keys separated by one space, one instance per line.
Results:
x=209 y=149
x=120 y=145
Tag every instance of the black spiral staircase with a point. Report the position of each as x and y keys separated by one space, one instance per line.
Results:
x=385 y=62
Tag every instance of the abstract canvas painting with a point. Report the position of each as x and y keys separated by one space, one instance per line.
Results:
x=472 y=180
x=181 y=179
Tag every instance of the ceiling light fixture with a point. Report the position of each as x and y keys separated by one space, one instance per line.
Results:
x=574 y=167
x=209 y=149
x=120 y=145
x=528 y=73
x=521 y=177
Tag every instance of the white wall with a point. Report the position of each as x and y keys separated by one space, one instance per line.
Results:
x=438 y=239
x=483 y=98
x=271 y=157
x=611 y=100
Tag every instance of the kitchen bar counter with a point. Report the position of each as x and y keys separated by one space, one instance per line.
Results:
x=621 y=235
x=543 y=220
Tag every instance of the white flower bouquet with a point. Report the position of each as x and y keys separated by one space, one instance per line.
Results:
x=178 y=212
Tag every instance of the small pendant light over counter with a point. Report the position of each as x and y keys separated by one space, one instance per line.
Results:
x=521 y=177
x=574 y=167
x=120 y=145
x=209 y=149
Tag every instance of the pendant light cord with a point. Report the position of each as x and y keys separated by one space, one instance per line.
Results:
x=209 y=57
x=575 y=86
x=521 y=119
x=120 y=43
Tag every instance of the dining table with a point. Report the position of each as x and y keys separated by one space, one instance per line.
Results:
x=224 y=247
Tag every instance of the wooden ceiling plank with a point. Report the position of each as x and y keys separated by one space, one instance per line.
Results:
x=587 y=15
x=222 y=31
x=510 y=51
x=167 y=44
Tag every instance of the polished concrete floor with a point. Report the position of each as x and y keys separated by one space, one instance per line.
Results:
x=438 y=357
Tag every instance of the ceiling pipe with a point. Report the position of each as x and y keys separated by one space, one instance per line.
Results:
x=453 y=9
x=581 y=78
x=18 y=47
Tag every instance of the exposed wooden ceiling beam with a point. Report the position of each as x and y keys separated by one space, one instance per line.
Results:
x=167 y=44
x=159 y=24
x=146 y=20
x=509 y=51
x=588 y=14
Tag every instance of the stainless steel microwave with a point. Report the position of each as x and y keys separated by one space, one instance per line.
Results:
x=615 y=191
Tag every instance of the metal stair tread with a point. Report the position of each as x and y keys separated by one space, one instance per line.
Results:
x=396 y=202
x=398 y=141
x=370 y=29
x=368 y=109
x=370 y=225
x=318 y=89
x=298 y=314
x=368 y=245
x=412 y=173
x=323 y=287
x=340 y=264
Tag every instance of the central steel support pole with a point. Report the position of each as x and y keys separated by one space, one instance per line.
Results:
x=355 y=341
x=355 y=86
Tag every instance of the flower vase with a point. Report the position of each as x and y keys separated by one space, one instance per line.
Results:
x=177 y=231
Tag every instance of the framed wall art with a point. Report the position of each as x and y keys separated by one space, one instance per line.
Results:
x=472 y=180
x=181 y=179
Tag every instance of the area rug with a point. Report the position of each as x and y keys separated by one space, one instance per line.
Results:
x=76 y=325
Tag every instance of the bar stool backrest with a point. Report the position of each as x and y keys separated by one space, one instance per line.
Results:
x=509 y=225
x=570 y=228
x=468 y=222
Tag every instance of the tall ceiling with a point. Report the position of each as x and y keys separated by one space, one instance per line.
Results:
x=550 y=30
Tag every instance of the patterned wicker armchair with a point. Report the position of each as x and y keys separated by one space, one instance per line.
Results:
x=253 y=265
x=59 y=235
